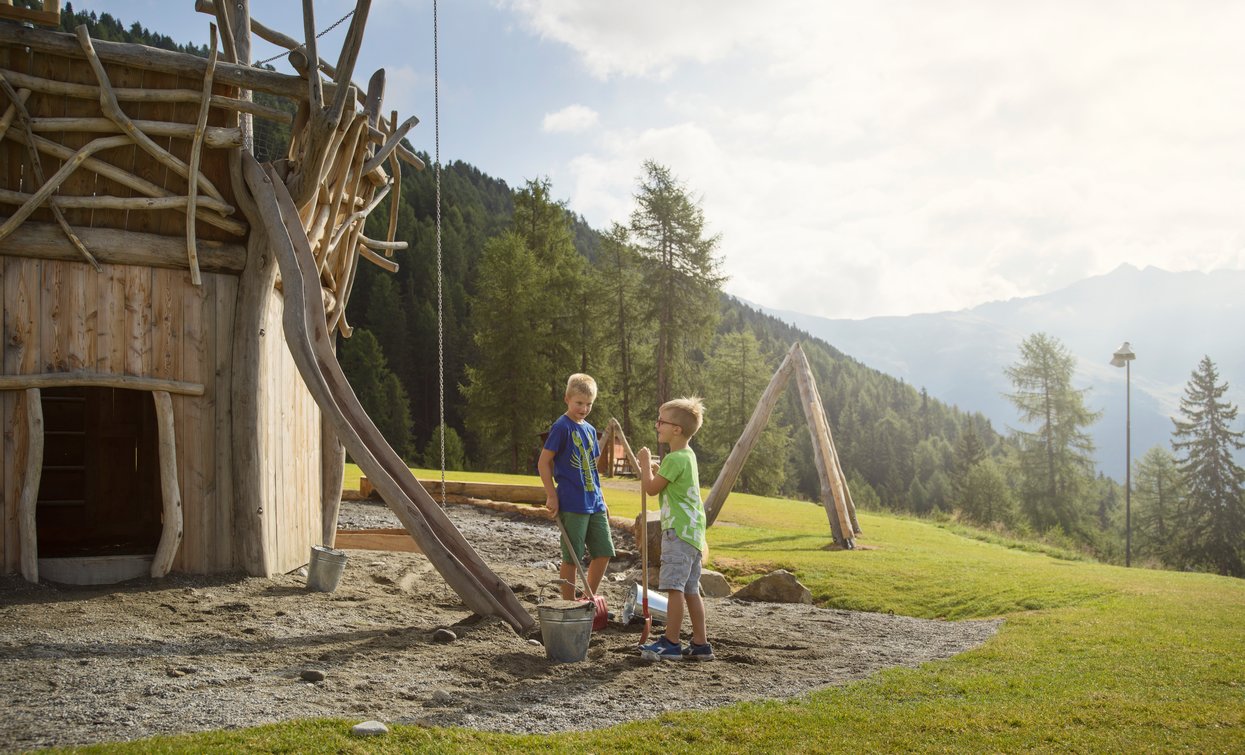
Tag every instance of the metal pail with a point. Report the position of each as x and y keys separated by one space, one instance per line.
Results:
x=325 y=569
x=566 y=628
x=634 y=607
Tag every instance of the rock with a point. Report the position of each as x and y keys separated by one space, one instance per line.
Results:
x=713 y=584
x=369 y=729
x=444 y=636
x=776 y=587
x=441 y=697
x=535 y=642
x=312 y=675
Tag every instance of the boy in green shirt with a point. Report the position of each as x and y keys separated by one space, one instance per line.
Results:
x=677 y=481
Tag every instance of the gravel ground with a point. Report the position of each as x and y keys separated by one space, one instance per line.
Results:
x=85 y=665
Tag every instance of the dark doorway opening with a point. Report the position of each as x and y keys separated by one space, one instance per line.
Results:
x=99 y=494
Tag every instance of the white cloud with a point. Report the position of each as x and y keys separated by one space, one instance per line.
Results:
x=887 y=158
x=570 y=119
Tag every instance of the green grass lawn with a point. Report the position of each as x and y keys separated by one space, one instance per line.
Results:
x=1090 y=658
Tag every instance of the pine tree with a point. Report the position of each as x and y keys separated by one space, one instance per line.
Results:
x=617 y=278
x=681 y=276
x=507 y=388
x=736 y=375
x=1157 y=492
x=1212 y=522
x=377 y=389
x=1055 y=459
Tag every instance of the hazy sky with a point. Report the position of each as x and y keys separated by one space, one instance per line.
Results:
x=857 y=158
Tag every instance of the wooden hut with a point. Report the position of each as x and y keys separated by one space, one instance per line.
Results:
x=169 y=398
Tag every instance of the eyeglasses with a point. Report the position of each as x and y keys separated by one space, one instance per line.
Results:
x=661 y=421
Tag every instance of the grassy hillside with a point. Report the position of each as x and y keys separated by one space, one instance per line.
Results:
x=1090 y=658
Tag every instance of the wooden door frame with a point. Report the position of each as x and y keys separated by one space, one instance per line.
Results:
x=29 y=446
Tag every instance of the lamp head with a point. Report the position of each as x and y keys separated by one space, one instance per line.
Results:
x=1122 y=356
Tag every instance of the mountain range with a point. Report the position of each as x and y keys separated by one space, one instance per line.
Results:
x=1170 y=319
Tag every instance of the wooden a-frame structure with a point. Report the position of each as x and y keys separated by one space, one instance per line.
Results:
x=835 y=495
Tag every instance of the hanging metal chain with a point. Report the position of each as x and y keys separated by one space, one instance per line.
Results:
x=319 y=65
x=436 y=118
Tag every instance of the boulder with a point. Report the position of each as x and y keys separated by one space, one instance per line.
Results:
x=776 y=587
x=713 y=584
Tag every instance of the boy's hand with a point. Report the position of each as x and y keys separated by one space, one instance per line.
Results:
x=644 y=458
x=551 y=503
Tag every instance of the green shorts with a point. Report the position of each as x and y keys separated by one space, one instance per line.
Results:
x=592 y=530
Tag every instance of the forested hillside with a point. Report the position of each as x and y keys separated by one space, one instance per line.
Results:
x=528 y=293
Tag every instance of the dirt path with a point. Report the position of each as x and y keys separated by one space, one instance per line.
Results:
x=84 y=665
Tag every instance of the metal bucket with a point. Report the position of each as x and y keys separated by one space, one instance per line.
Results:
x=634 y=607
x=325 y=569
x=566 y=628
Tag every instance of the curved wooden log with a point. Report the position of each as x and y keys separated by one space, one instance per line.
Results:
x=390 y=145
x=196 y=149
x=214 y=137
x=112 y=110
x=90 y=92
x=27 y=532
x=11 y=112
x=50 y=186
x=170 y=493
x=748 y=439
x=307 y=336
x=37 y=168
x=82 y=378
x=140 y=185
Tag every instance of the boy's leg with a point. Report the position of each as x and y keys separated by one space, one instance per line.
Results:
x=596 y=571
x=576 y=528
x=600 y=543
x=696 y=612
x=568 y=575
x=674 y=615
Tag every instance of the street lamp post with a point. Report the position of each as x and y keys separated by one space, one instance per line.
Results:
x=1123 y=357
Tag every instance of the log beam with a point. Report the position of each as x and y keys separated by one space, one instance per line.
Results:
x=33 y=453
x=170 y=493
x=82 y=378
x=114 y=247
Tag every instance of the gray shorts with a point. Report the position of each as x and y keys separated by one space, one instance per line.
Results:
x=680 y=565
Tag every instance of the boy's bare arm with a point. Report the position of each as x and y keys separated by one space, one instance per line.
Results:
x=545 y=466
x=652 y=482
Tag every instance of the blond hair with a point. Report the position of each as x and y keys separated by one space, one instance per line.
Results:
x=581 y=385
x=687 y=412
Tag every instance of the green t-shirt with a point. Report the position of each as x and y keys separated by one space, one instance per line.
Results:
x=681 y=507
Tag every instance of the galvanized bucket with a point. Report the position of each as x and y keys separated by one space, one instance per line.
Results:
x=566 y=628
x=634 y=607
x=325 y=569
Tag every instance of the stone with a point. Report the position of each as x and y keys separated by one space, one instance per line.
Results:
x=713 y=584
x=441 y=697
x=369 y=729
x=444 y=636
x=312 y=675
x=776 y=587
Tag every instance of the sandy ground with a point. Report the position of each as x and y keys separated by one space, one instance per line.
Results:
x=84 y=665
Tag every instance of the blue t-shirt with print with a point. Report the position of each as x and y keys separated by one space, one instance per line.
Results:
x=575 y=450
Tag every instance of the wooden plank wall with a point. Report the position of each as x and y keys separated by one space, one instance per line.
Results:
x=60 y=316
x=290 y=439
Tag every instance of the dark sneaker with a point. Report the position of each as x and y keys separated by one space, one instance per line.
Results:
x=662 y=650
x=694 y=652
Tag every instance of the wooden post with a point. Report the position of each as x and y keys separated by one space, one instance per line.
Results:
x=833 y=497
x=33 y=453
x=240 y=22
x=247 y=392
x=752 y=431
x=332 y=470
x=170 y=493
